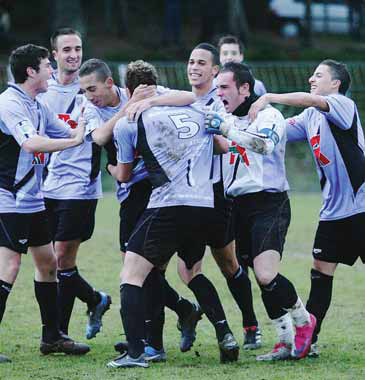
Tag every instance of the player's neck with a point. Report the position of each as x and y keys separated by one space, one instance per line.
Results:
x=30 y=90
x=114 y=98
x=65 y=78
x=202 y=89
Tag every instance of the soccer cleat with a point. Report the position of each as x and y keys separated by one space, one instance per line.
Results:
x=4 y=359
x=303 y=338
x=229 y=349
x=187 y=327
x=252 y=338
x=126 y=361
x=314 y=351
x=281 y=351
x=64 y=345
x=153 y=355
x=95 y=316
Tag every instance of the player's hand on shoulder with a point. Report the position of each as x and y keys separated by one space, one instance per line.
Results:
x=257 y=106
x=134 y=110
x=79 y=132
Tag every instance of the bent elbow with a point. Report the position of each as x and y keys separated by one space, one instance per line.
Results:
x=28 y=147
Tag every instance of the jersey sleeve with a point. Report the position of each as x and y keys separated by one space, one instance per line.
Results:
x=16 y=123
x=259 y=88
x=295 y=127
x=93 y=120
x=55 y=127
x=125 y=138
x=341 y=111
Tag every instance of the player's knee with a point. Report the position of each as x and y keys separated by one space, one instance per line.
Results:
x=324 y=267
x=14 y=265
x=264 y=277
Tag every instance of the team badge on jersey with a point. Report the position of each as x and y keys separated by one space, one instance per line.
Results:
x=235 y=150
x=38 y=158
x=320 y=157
x=67 y=118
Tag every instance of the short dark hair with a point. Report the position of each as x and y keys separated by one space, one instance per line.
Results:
x=140 y=72
x=339 y=71
x=62 y=32
x=242 y=74
x=212 y=49
x=96 y=66
x=26 y=56
x=229 y=39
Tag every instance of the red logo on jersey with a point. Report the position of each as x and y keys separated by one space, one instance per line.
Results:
x=237 y=149
x=320 y=157
x=38 y=158
x=67 y=118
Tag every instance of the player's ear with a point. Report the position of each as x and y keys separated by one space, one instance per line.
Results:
x=244 y=89
x=215 y=70
x=109 y=82
x=336 y=83
x=54 y=54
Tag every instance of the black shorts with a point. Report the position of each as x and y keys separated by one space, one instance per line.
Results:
x=71 y=219
x=131 y=210
x=341 y=241
x=222 y=232
x=161 y=232
x=20 y=231
x=261 y=223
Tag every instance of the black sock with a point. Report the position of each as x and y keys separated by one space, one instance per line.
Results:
x=153 y=289
x=241 y=289
x=73 y=281
x=66 y=297
x=278 y=296
x=320 y=297
x=5 y=289
x=133 y=318
x=46 y=295
x=209 y=301
x=181 y=306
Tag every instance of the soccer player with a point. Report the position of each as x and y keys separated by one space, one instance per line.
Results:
x=72 y=186
x=107 y=104
x=28 y=131
x=231 y=49
x=202 y=67
x=261 y=207
x=331 y=125
x=177 y=153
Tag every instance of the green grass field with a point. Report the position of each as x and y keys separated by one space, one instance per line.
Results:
x=342 y=340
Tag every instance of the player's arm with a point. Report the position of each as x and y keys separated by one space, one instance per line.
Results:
x=121 y=172
x=169 y=98
x=263 y=141
x=220 y=145
x=103 y=134
x=295 y=99
x=37 y=143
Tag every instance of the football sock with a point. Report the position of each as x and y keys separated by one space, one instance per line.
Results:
x=181 y=306
x=133 y=320
x=208 y=299
x=282 y=291
x=66 y=297
x=5 y=289
x=299 y=314
x=320 y=297
x=153 y=289
x=284 y=329
x=82 y=289
x=241 y=289
x=46 y=295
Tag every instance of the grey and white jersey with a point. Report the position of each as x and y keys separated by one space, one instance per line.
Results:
x=336 y=139
x=177 y=153
x=72 y=173
x=22 y=117
x=254 y=172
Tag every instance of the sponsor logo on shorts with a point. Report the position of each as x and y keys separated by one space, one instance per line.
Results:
x=23 y=241
x=317 y=250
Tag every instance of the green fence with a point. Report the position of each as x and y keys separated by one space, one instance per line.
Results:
x=277 y=77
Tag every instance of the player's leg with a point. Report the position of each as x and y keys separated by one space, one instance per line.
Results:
x=240 y=287
x=339 y=241
x=75 y=220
